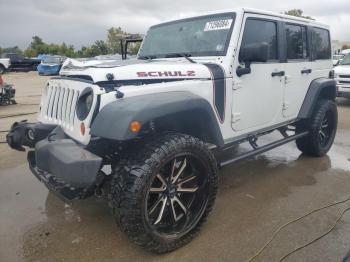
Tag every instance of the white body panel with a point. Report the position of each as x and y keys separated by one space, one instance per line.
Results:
x=5 y=62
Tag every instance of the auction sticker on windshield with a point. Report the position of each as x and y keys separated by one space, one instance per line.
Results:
x=218 y=25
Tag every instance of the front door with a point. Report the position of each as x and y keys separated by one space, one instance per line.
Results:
x=258 y=97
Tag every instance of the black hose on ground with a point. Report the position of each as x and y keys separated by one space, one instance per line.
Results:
x=20 y=114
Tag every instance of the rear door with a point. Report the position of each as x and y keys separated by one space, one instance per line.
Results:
x=308 y=53
x=298 y=67
x=257 y=97
x=321 y=63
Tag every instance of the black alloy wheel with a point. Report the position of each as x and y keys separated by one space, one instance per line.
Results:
x=178 y=195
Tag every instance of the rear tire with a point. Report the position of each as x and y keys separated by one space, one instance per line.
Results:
x=2 y=69
x=163 y=192
x=322 y=127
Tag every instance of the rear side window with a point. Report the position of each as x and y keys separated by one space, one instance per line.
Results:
x=258 y=31
x=321 y=44
x=296 y=42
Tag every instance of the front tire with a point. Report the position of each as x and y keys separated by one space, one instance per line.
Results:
x=322 y=129
x=163 y=192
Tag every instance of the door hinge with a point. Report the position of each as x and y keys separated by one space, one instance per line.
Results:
x=236 y=84
x=285 y=106
x=235 y=117
x=287 y=79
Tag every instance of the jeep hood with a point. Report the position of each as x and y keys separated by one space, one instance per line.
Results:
x=342 y=69
x=134 y=69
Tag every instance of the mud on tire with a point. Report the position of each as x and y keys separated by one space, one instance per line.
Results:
x=322 y=127
x=163 y=191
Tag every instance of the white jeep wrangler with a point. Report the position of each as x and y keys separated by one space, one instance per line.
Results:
x=200 y=85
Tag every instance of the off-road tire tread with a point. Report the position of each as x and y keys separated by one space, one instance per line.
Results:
x=132 y=173
x=309 y=145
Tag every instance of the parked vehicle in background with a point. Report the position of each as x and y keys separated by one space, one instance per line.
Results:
x=337 y=59
x=4 y=64
x=51 y=65
x=41 y=56
x=198 y=87
x=76 y=65
x=342 y=76
x=345 y=52
x=21 y=63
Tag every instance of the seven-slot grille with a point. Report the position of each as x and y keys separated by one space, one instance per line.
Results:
x=59 y=105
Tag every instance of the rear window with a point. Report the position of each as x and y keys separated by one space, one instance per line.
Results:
x=321 y=44
x=296 y=42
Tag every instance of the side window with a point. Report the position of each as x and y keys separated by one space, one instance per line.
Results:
x=296 y=42
x=321 y=45
x=259 y=31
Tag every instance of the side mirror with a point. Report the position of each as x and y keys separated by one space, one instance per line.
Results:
x=252 y=53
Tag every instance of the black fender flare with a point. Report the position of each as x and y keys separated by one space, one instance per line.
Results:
x=113 y=121
x=319 y=88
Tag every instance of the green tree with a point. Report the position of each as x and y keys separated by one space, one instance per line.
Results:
x=100 y=47
x=298 y=13
x=36 y=42
x=37 y=46
x=114 y=35
x=13 y=49
x=344 y=47
x=30 y=52
x=133 y=48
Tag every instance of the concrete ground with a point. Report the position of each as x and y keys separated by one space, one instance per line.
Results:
x=255 y=197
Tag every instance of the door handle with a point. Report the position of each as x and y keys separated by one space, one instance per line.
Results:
x=280 y=73
x=306 y=71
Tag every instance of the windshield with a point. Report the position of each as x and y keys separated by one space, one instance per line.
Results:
x=52 y=59
x=346 y=60
x=199 y=36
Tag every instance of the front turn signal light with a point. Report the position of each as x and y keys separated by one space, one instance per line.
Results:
x=135 y=126
x=82 y=128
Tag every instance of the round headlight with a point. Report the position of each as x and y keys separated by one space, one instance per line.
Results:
x=88 y=102
x=84 y=103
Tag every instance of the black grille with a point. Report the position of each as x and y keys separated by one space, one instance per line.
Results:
x=344 y=76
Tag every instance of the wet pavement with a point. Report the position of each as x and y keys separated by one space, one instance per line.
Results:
x=255 y=197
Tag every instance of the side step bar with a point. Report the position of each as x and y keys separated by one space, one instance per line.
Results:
x=258 y=150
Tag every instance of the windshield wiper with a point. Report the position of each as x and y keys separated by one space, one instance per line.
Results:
x=185 y=55
x=149 y=57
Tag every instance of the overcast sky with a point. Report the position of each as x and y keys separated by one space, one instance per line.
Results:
x=81 y=22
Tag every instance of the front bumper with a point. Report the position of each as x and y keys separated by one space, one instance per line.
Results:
x=64 y=166
x=343 y=91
